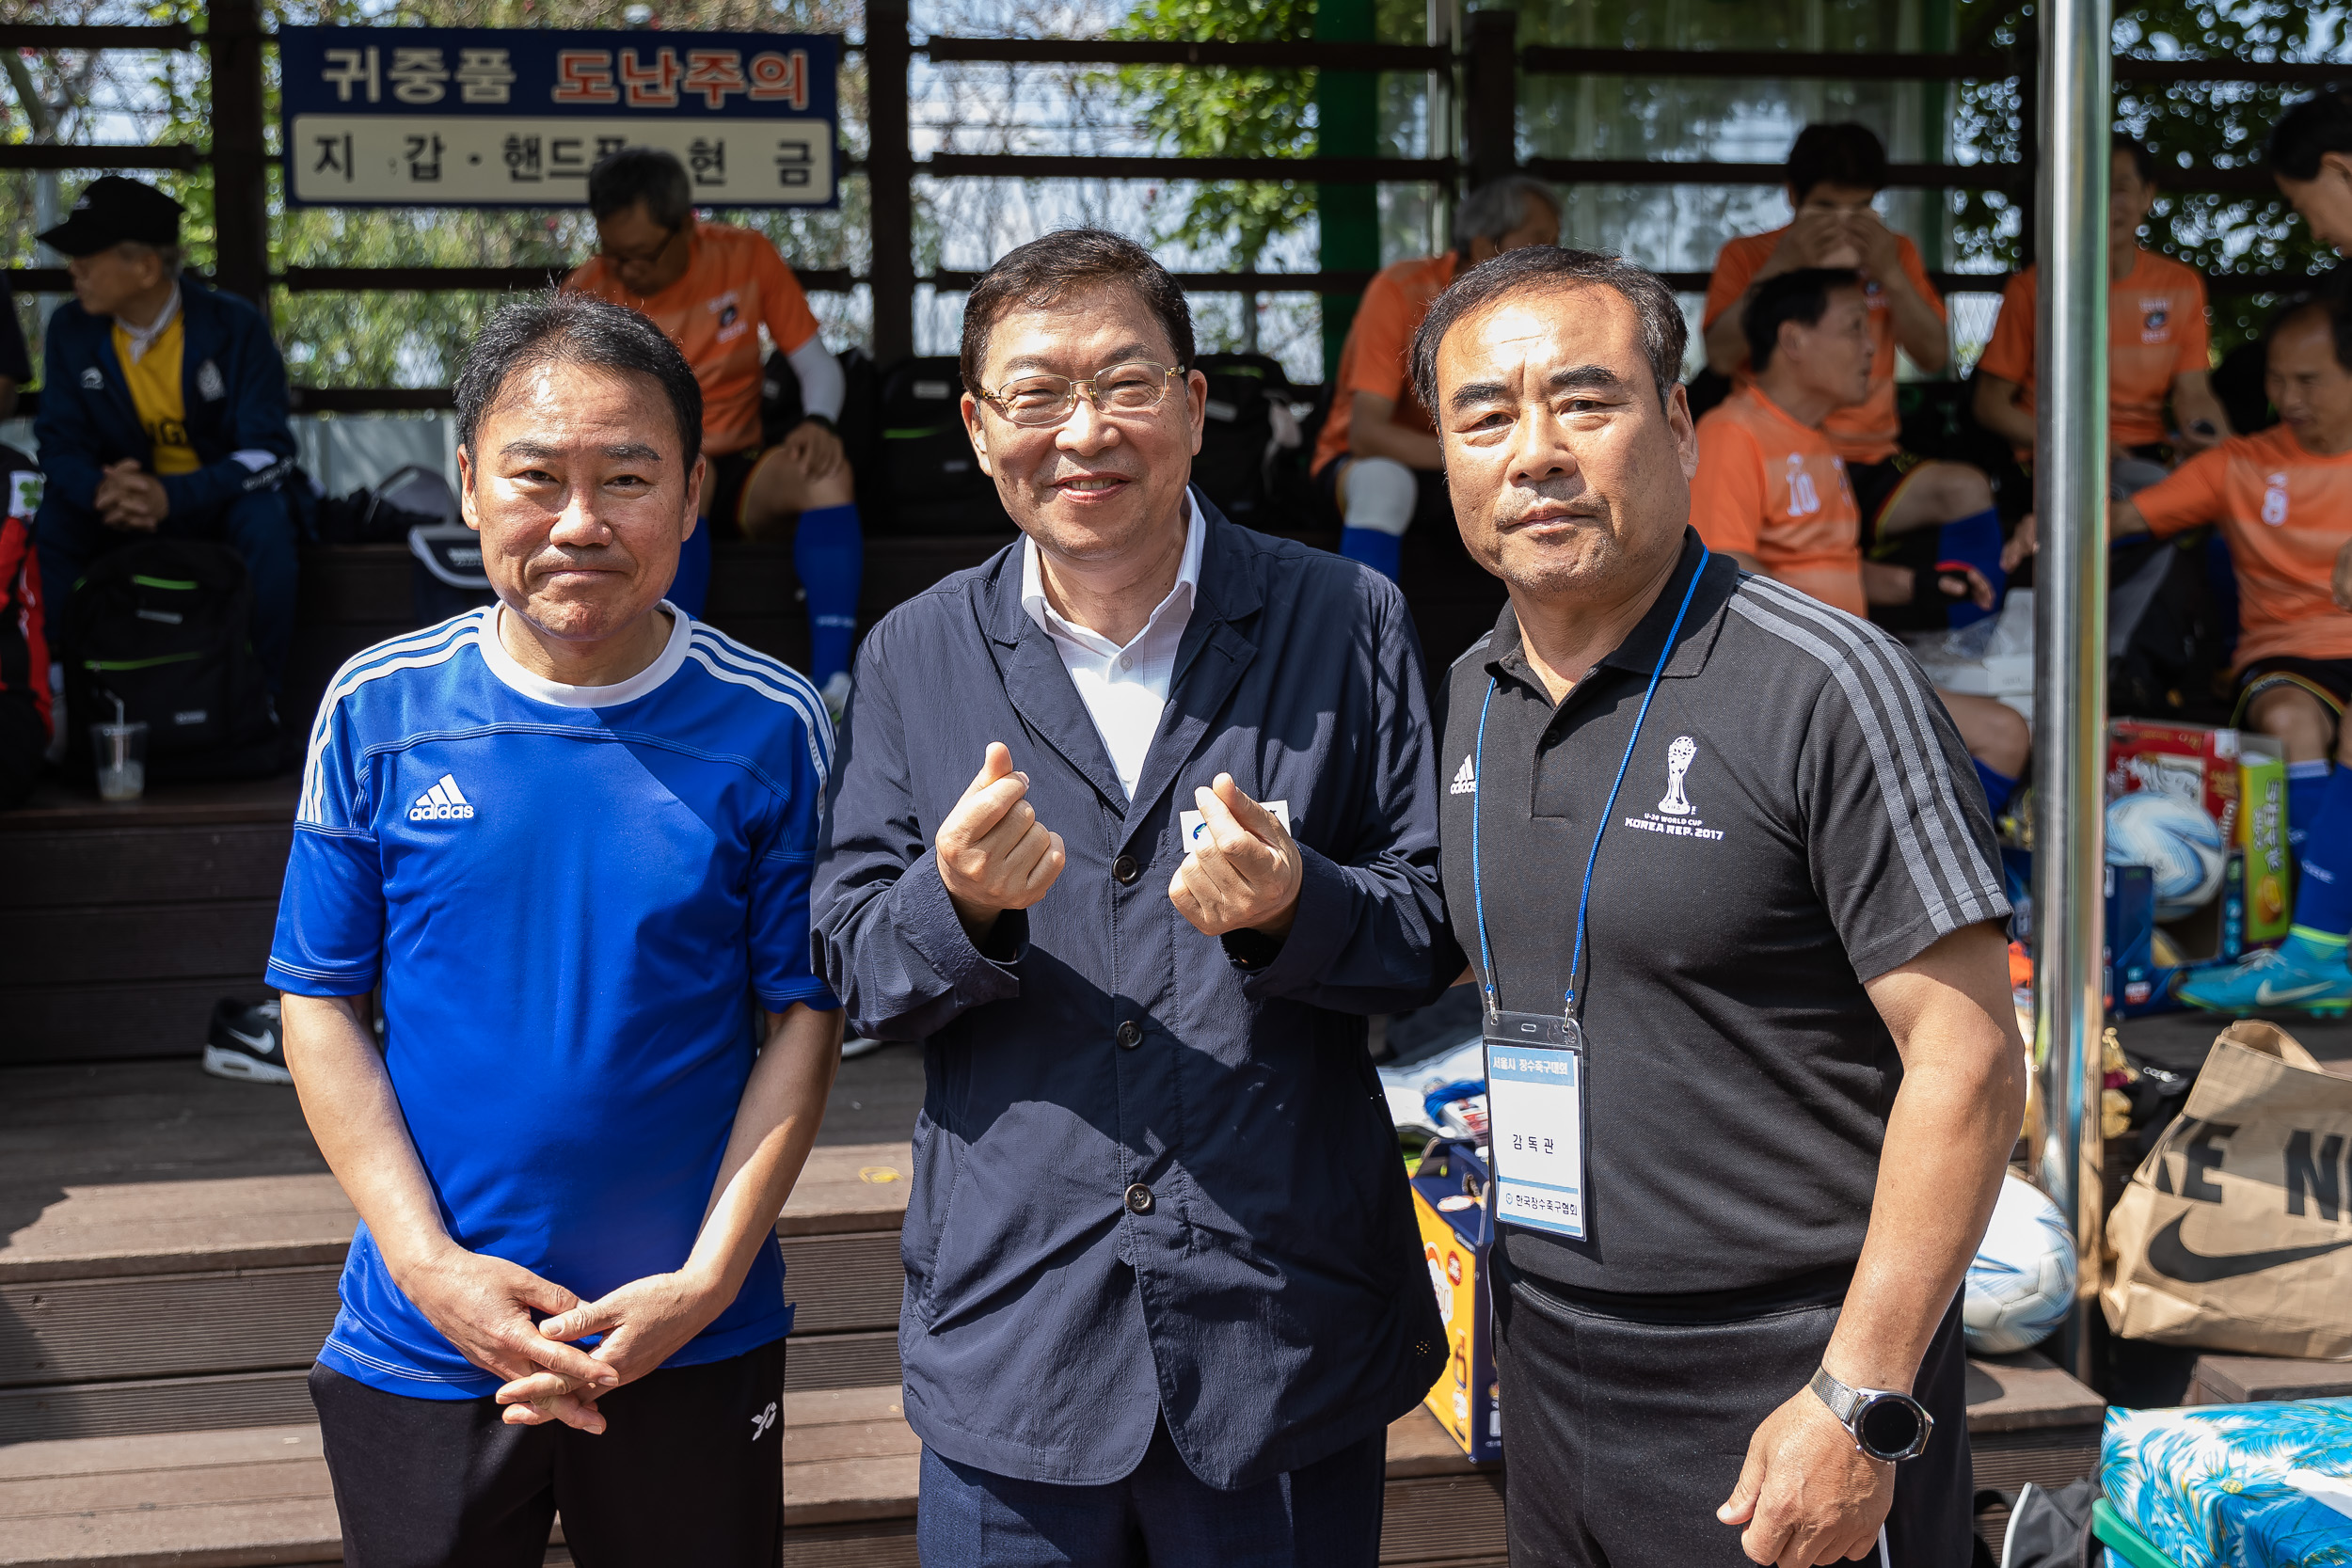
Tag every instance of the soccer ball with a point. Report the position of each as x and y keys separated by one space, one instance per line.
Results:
x=2174 y=840
x=2022 y=1280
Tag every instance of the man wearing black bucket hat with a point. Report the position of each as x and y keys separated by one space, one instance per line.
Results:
x=163 y=410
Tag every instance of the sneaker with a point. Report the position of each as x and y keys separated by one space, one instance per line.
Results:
x=836 y=695
x=247 y=1043
x=2296 y=975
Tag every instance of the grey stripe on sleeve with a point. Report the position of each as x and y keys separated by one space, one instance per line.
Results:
x=1895 y=673
x=1904 y=748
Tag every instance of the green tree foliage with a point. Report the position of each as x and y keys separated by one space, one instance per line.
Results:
x=1228 y=114
x=2223 y=124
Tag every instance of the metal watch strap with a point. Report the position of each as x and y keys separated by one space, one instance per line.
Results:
x=1847 y=1404
x=1842 y=1402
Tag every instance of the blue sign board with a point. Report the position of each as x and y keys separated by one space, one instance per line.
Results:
x=478 y=117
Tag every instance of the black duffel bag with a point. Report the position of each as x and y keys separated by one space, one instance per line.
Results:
x=929 y=481
x=165 y=628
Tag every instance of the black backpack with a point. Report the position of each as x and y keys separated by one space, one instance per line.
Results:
x=1235 y=465
x=930 y=483
x=164 y=626
x=2168 y=638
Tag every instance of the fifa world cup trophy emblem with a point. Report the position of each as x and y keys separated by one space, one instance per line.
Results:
x=1678 y=757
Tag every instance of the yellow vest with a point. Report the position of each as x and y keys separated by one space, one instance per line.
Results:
x=155 y=393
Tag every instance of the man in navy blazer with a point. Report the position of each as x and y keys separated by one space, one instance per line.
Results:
x=1165 y=1292
x=163 y=411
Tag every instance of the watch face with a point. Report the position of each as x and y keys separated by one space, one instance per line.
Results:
x=1888 y=1428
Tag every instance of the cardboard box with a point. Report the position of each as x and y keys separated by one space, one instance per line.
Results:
x=1456 y=1234
x=2262 y=771
x=2137 y=982
x=2195 y=761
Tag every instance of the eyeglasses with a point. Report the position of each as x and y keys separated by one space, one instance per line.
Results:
x=638 y=258
x=1137 y=387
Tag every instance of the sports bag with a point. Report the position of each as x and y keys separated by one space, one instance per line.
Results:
x=2234 y=1234
x=929 y=481
x=164 y=626
x=1242 y=434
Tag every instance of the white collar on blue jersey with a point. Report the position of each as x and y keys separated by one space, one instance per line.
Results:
x=554 y=693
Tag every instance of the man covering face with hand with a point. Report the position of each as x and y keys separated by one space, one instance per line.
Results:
x=1133 y=823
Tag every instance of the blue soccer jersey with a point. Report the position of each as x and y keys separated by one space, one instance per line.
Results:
x=572 y=898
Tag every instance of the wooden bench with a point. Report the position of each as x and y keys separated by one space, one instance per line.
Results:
x=2251 y=1379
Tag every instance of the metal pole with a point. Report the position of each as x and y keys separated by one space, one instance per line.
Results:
x=232 y=35
x=890 y=181
x=1491 y=115
x=2069 y=673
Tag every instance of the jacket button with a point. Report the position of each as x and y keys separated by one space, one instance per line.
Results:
x=1130 y=1035
x=1125 y=870
x=1138 y=1199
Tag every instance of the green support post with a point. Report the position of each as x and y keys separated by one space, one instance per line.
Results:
x=1347 y=119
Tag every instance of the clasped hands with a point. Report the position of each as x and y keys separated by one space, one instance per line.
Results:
x=1242 y=872
x=509 y=1321
x=131 y=499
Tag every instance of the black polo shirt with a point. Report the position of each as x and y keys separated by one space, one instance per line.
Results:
x=1832 y=829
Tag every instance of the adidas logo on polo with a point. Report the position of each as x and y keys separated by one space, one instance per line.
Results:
x=443 y=803
x=1465 y=779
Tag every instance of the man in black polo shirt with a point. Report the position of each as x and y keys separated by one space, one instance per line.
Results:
x=1753 y=1068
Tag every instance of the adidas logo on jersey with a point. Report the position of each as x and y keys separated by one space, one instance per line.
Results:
x=1465 y=779
x=443 y=803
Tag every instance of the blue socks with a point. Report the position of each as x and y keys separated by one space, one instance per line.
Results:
x=2323 y=893
x=1372 y=547
x=1998 y=787
x=829 y=555
x=2307 y=786
x=1974 y=541
x=692 y=586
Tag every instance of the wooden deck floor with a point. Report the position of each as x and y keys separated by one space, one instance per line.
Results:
x=142 y=1199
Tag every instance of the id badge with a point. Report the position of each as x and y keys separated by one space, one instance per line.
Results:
x=1536 y=1120
x=1190 y=824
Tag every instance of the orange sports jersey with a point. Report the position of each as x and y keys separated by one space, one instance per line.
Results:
x=735 y=283
x=1869 y=431
x=1372 y=358
x=1776 y=489
x=2156 y=330
x=2285 y=514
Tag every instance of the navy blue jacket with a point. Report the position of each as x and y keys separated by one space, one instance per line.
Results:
x=1273 y=1300
x=233 y=388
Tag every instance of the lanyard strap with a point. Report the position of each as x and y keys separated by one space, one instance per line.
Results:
x=1585 y=897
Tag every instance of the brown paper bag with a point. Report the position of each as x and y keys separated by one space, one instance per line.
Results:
x=2236 y=1232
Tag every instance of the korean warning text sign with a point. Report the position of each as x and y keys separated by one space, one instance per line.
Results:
x=414 y=117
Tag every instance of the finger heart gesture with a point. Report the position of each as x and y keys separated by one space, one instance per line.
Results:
x=1243 y=870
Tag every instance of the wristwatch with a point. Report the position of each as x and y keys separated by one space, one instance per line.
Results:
x=819 y=419
x=1885 y=1425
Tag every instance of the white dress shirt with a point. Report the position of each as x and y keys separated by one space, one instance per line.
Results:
x=1124 y=689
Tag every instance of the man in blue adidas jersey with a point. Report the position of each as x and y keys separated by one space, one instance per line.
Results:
x=570 y=836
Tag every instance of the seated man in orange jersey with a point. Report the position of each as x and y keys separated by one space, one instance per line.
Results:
x=2156 y=344
x=1834 y=173
x=1772 y=492
x=1376 y=462
x=712 y=287
x=2282 y=498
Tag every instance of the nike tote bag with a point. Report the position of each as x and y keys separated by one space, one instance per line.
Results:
x=2235 y=1233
